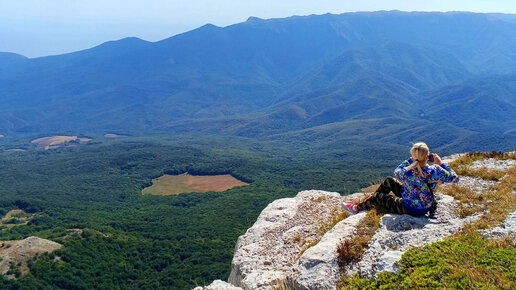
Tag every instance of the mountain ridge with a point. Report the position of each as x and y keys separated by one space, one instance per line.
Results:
x=274 y=76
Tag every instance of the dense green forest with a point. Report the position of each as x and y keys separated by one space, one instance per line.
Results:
x=135 y=241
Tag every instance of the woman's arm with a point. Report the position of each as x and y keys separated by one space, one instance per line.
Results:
x=400 y=171
x=443 y=172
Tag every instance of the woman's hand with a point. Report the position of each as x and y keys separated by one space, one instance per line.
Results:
x=437 y=159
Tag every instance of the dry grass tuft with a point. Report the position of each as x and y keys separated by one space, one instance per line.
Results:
x=484 y=173
x=501 y=201
x=351 y=250
x=296 y=239
x=503 y=243
x=336 y=216
x=469 y=158
x=469 y=202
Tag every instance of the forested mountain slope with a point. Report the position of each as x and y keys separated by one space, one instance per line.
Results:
x=261 y=78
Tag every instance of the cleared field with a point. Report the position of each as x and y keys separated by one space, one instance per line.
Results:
x=46 y=143
x=176 y=184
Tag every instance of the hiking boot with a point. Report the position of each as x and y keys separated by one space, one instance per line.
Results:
x=351 y=208
x=431 y=214
x=433 y=209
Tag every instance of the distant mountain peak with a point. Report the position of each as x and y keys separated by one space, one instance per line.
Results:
x=254 y=19
x=11 y=56
x=126 y=40
x=208 y=25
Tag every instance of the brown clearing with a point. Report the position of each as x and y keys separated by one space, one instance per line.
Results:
x=184 y=183
x=21 y=218
x=46 y=143
x=21 y=251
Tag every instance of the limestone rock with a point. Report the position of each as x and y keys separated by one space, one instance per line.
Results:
x=491 y=163
x=291 y=247
x=507 y=228
x=318 y=267
x=265 y=254
x=398 y=233
x=23 y=250
x=218 y=285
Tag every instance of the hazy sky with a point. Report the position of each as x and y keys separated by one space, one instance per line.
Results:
x=43 y=27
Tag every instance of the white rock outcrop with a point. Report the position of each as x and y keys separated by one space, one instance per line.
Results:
x=218 y=285
x=507 y=228
x=293 y=244
x=271 y=254
x=20 y=251
x=318 y=267
x=398 y=233
x=265 y=255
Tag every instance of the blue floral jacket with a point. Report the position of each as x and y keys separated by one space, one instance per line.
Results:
x=417 y=196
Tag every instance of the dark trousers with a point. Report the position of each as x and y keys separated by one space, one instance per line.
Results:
x=383 y=200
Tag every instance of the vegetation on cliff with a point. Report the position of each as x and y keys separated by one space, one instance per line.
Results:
x=130 y=240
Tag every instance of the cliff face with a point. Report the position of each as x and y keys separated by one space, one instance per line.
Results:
x=294 y=242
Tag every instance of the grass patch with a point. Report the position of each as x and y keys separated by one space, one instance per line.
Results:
x=497 y=202
x=482 y=172
x=184 y=183
x=461 y=164
x=501 y=202
x=465 y=261
x=351 y=250
x=471 y=157
x=470 y=202
x=15 y=217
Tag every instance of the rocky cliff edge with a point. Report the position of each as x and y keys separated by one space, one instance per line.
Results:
x=294 y=242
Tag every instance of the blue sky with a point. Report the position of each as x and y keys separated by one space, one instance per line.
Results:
x=44 y=27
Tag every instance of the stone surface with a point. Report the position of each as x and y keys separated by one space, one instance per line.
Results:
x=398 y=233
x=318 y=267
x=20 y=251
x=273 y=251
x=218 y=285
x=507 y=228
x=491 y=163
x=286 y=248
x=265 y=254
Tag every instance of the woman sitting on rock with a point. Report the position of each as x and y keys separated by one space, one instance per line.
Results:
x=414 y=194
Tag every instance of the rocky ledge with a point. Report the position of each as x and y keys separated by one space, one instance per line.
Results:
x=293 y=244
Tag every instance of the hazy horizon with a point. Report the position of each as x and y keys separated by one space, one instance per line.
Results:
x=36 y=29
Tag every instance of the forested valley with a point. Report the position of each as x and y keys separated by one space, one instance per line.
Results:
x=135 y=241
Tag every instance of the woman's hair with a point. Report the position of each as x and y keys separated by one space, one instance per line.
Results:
x=419 y=152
